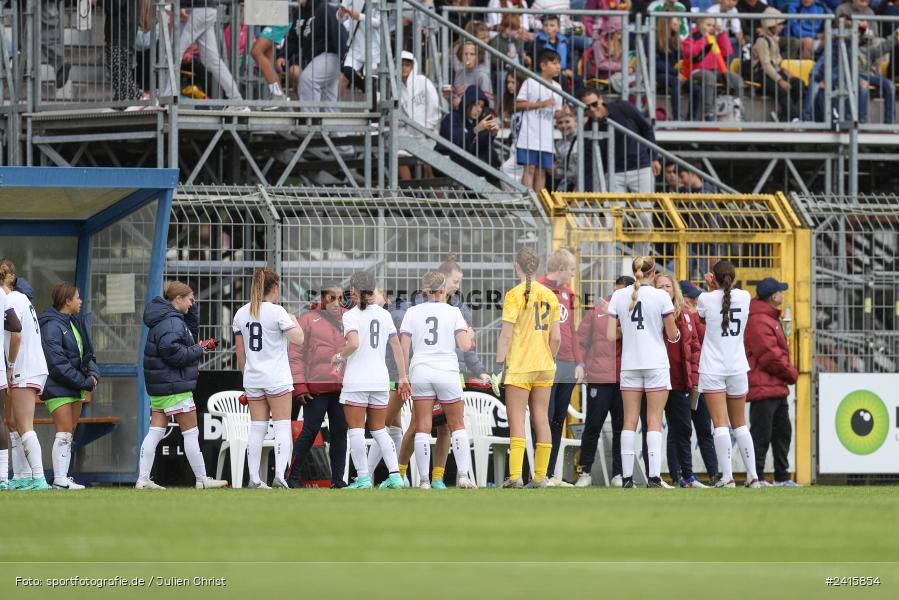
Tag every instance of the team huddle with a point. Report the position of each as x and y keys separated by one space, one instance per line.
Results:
x=359 y=357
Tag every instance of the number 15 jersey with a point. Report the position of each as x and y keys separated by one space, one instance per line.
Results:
x=723 y=352
x=529 y=351
x=366 y=368
x=265 y=345
x=642 y=346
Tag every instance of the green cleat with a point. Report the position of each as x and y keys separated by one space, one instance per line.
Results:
x=361 y=483
x=38 y=483
x=4 y=485
x=437 y=484
x=394 y=482
x=20 y=483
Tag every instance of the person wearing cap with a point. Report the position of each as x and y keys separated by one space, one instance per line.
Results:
x=770 y=372
x=777 y=82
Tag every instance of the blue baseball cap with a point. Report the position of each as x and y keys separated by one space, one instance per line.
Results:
x=769 y=286
x=689 y=290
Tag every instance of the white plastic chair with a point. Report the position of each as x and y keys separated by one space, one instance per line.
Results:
x=480 y=408
x=236 y=420
x=573 y=443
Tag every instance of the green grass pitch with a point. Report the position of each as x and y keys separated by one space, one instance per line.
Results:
x=771 y=543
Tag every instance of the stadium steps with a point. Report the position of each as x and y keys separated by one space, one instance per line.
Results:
x=446 y=165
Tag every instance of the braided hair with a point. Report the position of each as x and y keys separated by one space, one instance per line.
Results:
x=528 y=261
x=432 y=283
x=724 y=275
x=643 y=266
x=364 y=283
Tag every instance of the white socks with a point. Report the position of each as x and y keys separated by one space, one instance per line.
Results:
x=33 y=454
x=192 y=450
x=375 y=454
x=747 y=451
x=20 y=466
x=283 y=446
x=721 y=437
x=396 y=434
x=357 y=450
x=374 y=457
x=627 y=453
x=423 y=455
x=258 y=429
x=388 y=450
x=62 y=455
x=654 y=447
x=148 y=450
x=4 y=465
x=461 y=452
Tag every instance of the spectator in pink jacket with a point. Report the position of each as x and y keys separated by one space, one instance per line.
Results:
x=707 y=52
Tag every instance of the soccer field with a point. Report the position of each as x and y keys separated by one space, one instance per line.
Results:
x=777 y=543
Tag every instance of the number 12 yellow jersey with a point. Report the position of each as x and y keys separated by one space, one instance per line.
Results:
x=529 y=350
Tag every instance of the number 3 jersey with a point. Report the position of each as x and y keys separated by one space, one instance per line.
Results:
x=366 y=368
x=722 y=351
x=642 y=346
x=433 y=327
x=265 y=345
x=529 y=351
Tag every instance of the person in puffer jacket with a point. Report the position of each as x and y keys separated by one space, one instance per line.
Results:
x=171 y=368
x=66 y=339
x=770 y=372
x=317 y=384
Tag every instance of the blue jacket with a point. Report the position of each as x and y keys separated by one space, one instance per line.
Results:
x=459 y=129
x=561 y=46
x=805 y=28
x=171 y=355
x=629 y=154
x=70 y=372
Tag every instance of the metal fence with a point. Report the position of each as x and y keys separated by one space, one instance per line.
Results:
x=219 y=235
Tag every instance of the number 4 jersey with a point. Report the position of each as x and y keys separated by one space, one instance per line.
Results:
x=530 y=351
x=366 y=368
x=642 y=346
x=265 y=345
x=722 y=350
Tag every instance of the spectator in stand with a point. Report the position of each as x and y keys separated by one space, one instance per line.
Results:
x=888 y=8
x=263 y=52
x=808 y=34
x=552 y=39
x=770 y=372
x=753 y=7
x=732 y=25
x=494 y=20
x=508 y=41
x=467 y=128
x=51 y=44
x=317 y=385
x=540 y=105
x=693 y=183
x=473 y=72
x=199 y=23
x=595 y=113
x=505 y=107
x=459 y=19
x=872 y=51
x=565 y=158
x=420 y=102
x=857 y=7
x=669 y=78
x=313 y=49
x=671 y=6
x=602 y=366
x=120 y=29
x=672 y=179
x=607 y=56
x=706 y=53
x=355 y=69
x=776 y=81
x=594 y=27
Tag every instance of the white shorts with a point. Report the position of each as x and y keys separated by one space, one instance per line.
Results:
x=185 y=406
x=35 y=383
x=434 y=384
x=733 y=385
x=645 y=380
x=263 y=393
x=365 y=399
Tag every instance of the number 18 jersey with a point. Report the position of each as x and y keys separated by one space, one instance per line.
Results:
x=529 y=352
x=366 y=368
x=642 y=346
x=723 y=352
x=433 y=327
x=265 y=345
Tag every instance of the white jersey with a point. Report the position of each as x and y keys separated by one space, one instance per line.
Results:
x=3 y=309
x=642 y=346
x=265 y=345
x=722 y=351
x=538 y=124
x=433 y=327
x=30 y=361
x=366 y=369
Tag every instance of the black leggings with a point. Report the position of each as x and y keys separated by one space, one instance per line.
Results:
x=313 y=416
x=602 y=399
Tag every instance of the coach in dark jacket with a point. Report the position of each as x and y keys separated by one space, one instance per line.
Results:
x=171 y=355
x=770 y=372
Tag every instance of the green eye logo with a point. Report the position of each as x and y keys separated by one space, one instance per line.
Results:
x=862 y=422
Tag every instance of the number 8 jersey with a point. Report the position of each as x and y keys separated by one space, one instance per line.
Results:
x=366 y=368
x=642 y=346
x=723 y=352
x=265 y=345
x=529 y=351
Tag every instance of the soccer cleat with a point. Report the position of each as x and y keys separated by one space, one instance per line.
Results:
x=66 y=484
x=693 y=482
x=516 y=484
x=424 y=485
x=208 y=483
x=627 y=482
x=616 y=481
x=725 y=484
x=666 y=485
x=394 y=482
x=260 y=485
x=754 y=484
x=145 y=483
x=437 y=484
x=556 y=482
x=278 y=482
x=653 y=482
x=296 y=484
x=584 y=480
x=360 y=483
x=787 y=483
x=533 y=484
x=338 y=485
x=4 y=485
x=464 y=483
x=19 y=483
x=38 y=483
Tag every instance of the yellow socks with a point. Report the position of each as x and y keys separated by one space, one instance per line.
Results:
x=516 y=457
x=437 y=473
x=541 y=460
x=403 y=469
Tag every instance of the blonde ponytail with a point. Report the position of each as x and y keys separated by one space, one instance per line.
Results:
x=263 y=282
x=643 y=266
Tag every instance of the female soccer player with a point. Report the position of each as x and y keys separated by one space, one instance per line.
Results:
x=26 y=371
x=641 y=312
x=369 y=329
x=723 y=367
x=431 y=332
x=171 y=369
x=529 y=339
x=265 y=331
x=69 y=352
x=12 y=332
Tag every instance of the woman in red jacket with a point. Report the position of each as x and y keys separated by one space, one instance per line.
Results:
x=707 y=50
x=317 y=384
x=770 y=372
x=683 y=356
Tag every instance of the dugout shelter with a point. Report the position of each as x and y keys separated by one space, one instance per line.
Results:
x=105 y=229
